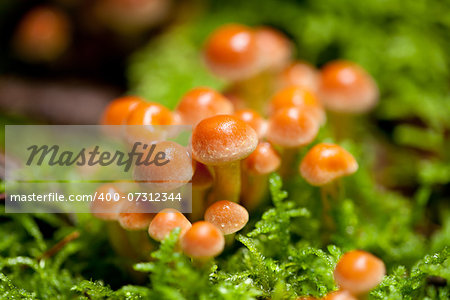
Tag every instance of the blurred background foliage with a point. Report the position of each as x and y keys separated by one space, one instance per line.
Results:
x=396 y=206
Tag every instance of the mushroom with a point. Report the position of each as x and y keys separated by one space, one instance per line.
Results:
x=358 y=272
x=118 y=110
x=202 y=180
x=275 y=49
x=228 y=216
x=257 y=167
x=345 y=87
x=339 y=295
x=170 y=169
x=42 y=35
x=254 y=119
x=135 y=215
x=201 y=103
x=324 y=164
x=231 y=52
x=301 y=74
x=165 y=221
x=294 y=96
x=106 y=205
x=203 y=241
x=291 y=128
x=221 y=142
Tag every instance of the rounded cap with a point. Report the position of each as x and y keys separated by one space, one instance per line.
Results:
x=118 y=110
x=228 y=216
x=339 y=295
x=134 y=216
x=232 y=52
x=292 y=127
x=254 y=119
x=42 y=35
x=295 y=96
x=275 y=49
x=165 y=221
x=222 y=139
x=105 y=206
x=169 y=167
x=300 y=74
x=345 y=87
x=263 y=160
x=325 y=162
x=202 y=241
x=358 y=272
x=201 y=103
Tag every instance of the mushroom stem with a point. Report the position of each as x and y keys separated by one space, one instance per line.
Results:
x=343 y=125
x=254 y=190
x=198 y=204
x=330 y=195
x=288 y=162
x=227 y=182
x=134 y=245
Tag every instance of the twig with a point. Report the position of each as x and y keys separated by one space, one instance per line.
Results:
x=58 y=246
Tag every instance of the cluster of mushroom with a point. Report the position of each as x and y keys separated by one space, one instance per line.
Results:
x=356 y=273
x=234 y=147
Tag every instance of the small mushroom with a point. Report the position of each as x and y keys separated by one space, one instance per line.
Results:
x=301 y=74
x=358 y=272
x=203 y=241
x=228 y=216
x=222 y=142
x=134 y=215
x=201 y=103
x=254 y=119
x=165 y=221
x=202 y=181
x=231 y=52
x=275 y=49
x=106 y=205
x=339 y=295
x=118 y=110
x=257 y=167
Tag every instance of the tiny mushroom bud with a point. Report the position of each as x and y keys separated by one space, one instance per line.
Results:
x=345 y=87
x=275 y=49
x=339 y=295
x=228 y=216
x=222 y=141
x=118 y=110
x=232 y=52
x=358 y=272
x=134 y=215
x=326 y=162
x=203 y=241
x=295 y=96
x=165 y=221
x=106 y=205
x=300 y=74
x=201 y=103
x=257 y=167
x=292 y=127
x=42 y=35
x=254 y=119
x=169 y=167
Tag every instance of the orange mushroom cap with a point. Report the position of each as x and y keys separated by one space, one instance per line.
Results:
x=105 y=207
x=292 y=127
x=325 y=162
x=165 y=221
x=118 y=110
x=300 y=74
x=42 y=35
x=275 y=48
x=263 y=160
x=201 y=103
x=228 y=216
x=150 y=113
x=339 y=295
x=254 y=119
x=295 y=96
x=134 y=215
x=172 y=167
x=222 y=139
x=347 y=88
x=358 y=272
x=202 y=241
x=232 y=52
